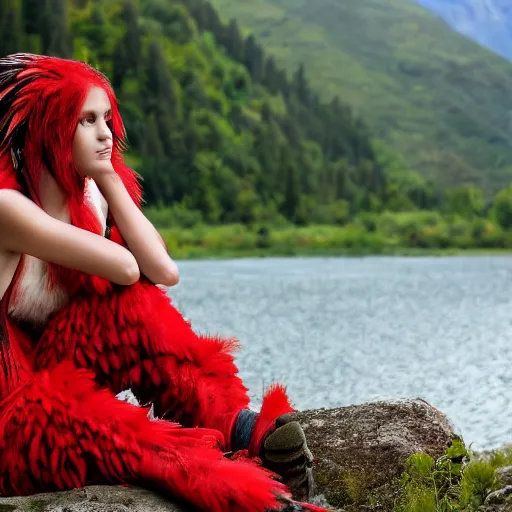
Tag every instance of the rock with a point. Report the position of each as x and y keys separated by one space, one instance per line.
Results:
x=499 y=496
x=505 y=475
x=95 y=498
x=359 y=454
x=360 y=450
x=501 y=499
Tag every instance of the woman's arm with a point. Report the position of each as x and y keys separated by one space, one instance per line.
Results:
x=26 y=228
x=143 y=240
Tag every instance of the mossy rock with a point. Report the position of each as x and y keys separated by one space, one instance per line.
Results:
x=360 y=450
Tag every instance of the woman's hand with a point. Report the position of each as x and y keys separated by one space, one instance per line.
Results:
x=143 y=240
x=97 y=169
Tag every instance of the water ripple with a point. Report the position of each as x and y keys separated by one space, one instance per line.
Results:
x=340 y=331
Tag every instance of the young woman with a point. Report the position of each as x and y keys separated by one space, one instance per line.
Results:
x=80 y=307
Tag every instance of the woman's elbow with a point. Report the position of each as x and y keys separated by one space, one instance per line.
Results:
x=131 y=274
x=169 y=276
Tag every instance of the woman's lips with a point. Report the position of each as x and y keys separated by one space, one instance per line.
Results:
x=105 y=153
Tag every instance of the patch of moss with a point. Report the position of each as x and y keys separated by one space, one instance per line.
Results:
x=35 y=505
x=330 y=485
x=5 y=507
x=357 y=485
x=345 y=488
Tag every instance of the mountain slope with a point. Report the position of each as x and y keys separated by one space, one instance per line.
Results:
x=489 y=22
x=207 y=138
x=441 y=99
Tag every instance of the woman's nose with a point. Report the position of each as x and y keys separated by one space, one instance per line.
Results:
x=104 y=132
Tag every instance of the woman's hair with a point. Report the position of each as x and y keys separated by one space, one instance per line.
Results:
x=41 y=99
x=40 y=103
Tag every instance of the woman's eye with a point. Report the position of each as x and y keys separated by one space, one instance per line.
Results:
x=88 y=120
x=108 y=116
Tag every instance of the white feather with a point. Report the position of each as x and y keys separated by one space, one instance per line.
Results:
x=33 y=301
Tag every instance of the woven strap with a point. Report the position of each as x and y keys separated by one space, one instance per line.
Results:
x=243 y=429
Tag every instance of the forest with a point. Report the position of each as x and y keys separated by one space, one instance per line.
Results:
x=228 y=142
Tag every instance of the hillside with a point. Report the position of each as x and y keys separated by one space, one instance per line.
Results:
x=211 y=137
x=489 y=22
x=442 y=100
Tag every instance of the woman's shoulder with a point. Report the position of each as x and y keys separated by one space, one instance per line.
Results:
x=10 y=198
x=11 y=194
x=17 y=210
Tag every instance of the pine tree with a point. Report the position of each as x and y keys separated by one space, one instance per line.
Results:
x=131 y=39
x=292 y=199
x=96 y=33
x=271 y=77
x=56 y=37
x=120 y=64
x=254 y=59
x=11 y=32
x=32 y=14
x=301 y=86
x=159 y=83
x=234 y=41
x=157 y=188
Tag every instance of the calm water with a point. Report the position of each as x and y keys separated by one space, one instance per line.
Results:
x=342 y=331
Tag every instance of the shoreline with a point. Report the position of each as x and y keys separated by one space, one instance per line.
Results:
x=237 y=241
x=203 y=253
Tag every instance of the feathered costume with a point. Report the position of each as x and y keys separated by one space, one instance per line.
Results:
x=60 y=423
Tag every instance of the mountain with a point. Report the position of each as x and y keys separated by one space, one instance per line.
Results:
x=442 y=100
x=210 y=134
x=489 y=22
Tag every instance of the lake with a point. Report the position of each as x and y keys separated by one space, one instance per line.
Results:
x=343 y=331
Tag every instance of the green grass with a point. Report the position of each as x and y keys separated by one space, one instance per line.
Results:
x=392 y=237
x=459 y=480
x=439 y=98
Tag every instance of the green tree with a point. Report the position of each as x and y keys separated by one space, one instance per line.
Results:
x=175 y=19
x=159 y=84
x=292 y=200
x=204 y=197
x=11 y=27
x=301 y=85
x=158 y=186
x=132 y=37
x=31 y=16
x=502 y=208
x=466 y=200
x=97 y=30
x=254 y=58
x=56 y=38
x=271 y=76
x=234 y=41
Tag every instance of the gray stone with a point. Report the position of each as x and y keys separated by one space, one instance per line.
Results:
x=505 y=475
x=94 y=498
x=499 y=496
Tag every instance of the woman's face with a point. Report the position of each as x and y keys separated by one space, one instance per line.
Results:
x=92 y=142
